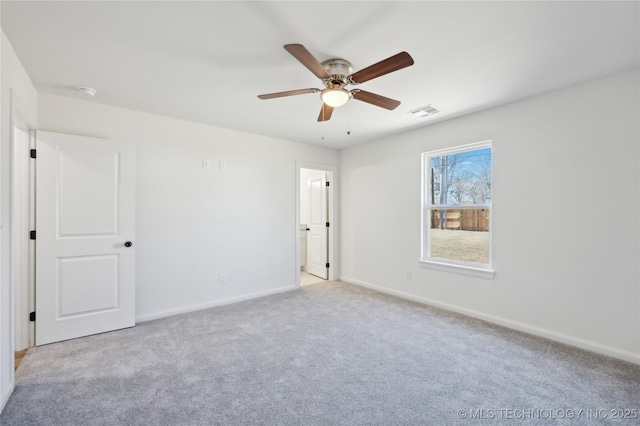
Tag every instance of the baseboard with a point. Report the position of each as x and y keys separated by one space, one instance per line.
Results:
x=5 y=397
x=536 y=331
x=211 y=304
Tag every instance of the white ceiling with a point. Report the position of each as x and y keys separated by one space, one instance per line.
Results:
x=207 y=61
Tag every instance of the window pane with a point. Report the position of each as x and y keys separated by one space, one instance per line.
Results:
x=460 y=234
x=462 y=178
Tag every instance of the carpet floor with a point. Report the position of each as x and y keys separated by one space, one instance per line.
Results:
x=326 y=354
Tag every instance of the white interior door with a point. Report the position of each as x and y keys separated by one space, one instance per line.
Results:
x=317 y=257
x=85 y=267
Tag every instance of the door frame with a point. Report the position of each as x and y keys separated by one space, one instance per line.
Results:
x=22 y=221
x=332 y=178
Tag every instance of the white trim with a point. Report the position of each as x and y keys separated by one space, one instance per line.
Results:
x=212 y=304
x=20 y=227
x=515 y=325
x=447 y=266
x=333 y=214
x=6 y=397
x=32 y=243
x=16 y=110
x=22 y=256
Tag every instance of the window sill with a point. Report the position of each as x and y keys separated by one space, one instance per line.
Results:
x=459 y=269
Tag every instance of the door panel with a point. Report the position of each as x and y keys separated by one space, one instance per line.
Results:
x=85 y=276
x=74 y=297
x=318 y=231
x=88 y=206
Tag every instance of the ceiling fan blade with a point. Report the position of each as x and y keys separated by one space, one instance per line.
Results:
x=394 y=63
x=301 y=53
x=288 y=93
x=325 y=113
x=373 y=99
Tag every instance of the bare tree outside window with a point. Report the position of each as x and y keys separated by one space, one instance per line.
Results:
x=462 y=178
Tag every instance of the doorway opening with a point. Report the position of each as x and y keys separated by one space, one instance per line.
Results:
x=315 y=227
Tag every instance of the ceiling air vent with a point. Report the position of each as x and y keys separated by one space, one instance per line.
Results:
x=424 y=111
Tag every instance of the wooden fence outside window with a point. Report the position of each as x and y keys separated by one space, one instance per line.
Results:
x=463 y=219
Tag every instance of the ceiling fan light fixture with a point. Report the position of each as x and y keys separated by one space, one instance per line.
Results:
x=335 y=97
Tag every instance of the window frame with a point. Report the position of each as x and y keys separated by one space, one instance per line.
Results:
x=443 y=264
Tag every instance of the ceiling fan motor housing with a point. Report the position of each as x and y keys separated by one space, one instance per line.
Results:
x=339 y=69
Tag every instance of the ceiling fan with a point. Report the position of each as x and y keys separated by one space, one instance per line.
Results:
x=336 y=74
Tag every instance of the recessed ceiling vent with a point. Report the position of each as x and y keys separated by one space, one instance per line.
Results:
x=88 y=91
x=425 y=111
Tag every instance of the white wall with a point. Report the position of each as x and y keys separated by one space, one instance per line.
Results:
x=16 y=91
x=565 y=216
x=193 y=223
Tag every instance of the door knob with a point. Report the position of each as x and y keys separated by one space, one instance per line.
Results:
x=128 y=244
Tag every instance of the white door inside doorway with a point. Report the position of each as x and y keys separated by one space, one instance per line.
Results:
x=316 y=217
x=85 y=218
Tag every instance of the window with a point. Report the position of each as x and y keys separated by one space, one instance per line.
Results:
x=456 y=216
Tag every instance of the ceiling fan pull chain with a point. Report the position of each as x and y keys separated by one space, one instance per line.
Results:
x=348 y=120
x=322 y=112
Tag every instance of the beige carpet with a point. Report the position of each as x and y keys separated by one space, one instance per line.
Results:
x=325 y=354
